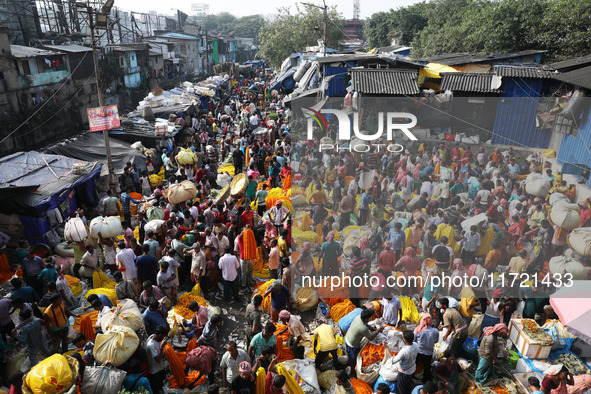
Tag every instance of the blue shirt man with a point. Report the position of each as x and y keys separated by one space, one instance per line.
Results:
x=397 y=237
x=154 y=317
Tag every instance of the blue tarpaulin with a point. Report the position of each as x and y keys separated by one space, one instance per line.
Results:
x=284 y=80
x=48 y=182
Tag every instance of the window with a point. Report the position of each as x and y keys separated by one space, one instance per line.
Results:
x=26 y=68
x=132 y=58
x=93 y=88
x=1 y=75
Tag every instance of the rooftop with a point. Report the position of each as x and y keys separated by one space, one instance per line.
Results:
x=523 y=72
x=24 y=51
x=457 y=59
x=385 y=81
x=71 y=48
x=179 y=36
x=471 y=82
x=579 y=77
x=571 y=64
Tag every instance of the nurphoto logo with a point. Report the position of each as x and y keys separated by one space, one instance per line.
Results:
x=401 y=121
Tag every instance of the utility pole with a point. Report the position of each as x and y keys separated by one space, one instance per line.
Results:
x=324 y=28
x=99 y=84
x=324 y=9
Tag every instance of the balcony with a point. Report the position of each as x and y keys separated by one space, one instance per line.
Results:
x=46 y=78
x=132 y=70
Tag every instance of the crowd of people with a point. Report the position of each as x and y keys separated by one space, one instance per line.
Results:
x=378 y=215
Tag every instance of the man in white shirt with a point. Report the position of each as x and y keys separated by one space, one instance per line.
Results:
x=101 y=309
x=156 y=359
x=198 y=263
x=229 y=265
x=211 y=242
x=165 y=280
x=223 y=242
x=194 y=210
x=278 y=215
x=230 y=362
x=254 y=122
x=168 y=164
x=126 y=262
x=89 y=262
x=406 y=359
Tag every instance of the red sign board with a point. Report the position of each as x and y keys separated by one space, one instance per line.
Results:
x=103 y=118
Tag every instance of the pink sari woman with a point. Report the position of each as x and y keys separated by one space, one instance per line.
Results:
x=270 y=233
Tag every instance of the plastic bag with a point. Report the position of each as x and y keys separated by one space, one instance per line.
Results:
x=153 y=226
x=392 y=385
x=537 y=187
x=102 y=380
x=186 y=157
x=563 y=264
x=559 y=343
x=125 y=314
x=307 y=371
x=75 y=230
x=18 y=362
x=371 y=373
x=566 y=216
x=50 y=376
x=580 y=241
x=327 y=379
x=470 y=348
x=389 y=370
x=439 y=349
x=108 y=227
x=118 y=345
x=182 y=192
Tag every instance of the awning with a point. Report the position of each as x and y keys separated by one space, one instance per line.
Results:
x=573 y=306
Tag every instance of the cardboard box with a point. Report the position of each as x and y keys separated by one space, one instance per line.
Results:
x=524 y=344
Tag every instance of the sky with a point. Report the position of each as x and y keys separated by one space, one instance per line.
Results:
x=265 y=7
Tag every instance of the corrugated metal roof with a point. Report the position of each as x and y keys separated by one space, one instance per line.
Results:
x=578 y=77
x=23 y=51
x=69 y=48
x=465 y=82
x=457 y=59
x=523 y=72
x=571 y=64
x=385 y=81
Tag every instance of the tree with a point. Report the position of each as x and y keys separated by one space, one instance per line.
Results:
x=226 y=23
x=248 y=26
x=290 y=33
x=378 y=29
x=407 y=22
x=501 y=26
